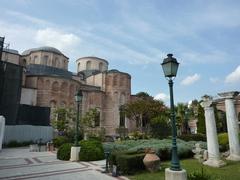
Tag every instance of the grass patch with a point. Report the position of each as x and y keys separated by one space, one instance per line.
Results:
x=230 y=171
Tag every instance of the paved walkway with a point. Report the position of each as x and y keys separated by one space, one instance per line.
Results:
x=19 y=163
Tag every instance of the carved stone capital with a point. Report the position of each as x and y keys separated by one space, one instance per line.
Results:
x=229 y=95
x=207 y=101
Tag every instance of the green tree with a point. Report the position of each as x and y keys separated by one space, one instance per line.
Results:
x=181 y=108
x=91 y=118
x=201 y=127
x=143 y=110
x=160 y=126
x=144 y=95
x=63 y=118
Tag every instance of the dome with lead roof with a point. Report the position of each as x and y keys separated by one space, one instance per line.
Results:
x=44 y=48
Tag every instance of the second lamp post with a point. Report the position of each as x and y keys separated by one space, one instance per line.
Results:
x=170 y=67
x=76 y=149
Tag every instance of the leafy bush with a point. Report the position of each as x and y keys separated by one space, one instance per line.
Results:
x=127 y=162
x=193 y=137
x=223 y=141
x=160 y=127
x=60 y=140
x=91 y=150
x=64 y=152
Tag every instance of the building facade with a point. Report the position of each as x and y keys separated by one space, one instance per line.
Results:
x=46 y=82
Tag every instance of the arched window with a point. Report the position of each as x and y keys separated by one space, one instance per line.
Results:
x=122 y=99
x=101 y=66
x=64 y=87
x=97 y=119
x=54 y=62
x=122 y=116
x=121 y=81
x=24 y=62
x=47 y=84
x=88 y=65
x=55 y=86
x=79 y=66
x=45 y=60
x=35 y=59
x=40 y=84
x=114 y=80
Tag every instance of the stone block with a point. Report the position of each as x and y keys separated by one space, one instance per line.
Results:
x=175 y=175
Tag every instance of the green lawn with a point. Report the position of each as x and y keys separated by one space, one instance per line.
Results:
x=229 y=172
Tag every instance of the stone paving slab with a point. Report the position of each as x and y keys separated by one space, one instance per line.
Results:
x=19 y=163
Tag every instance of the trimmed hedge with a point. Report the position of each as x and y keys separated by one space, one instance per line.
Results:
x=193 y=137
x=64 y=152
x=60 y=140
x=91 y=150
x=127 y=162
x=161 y=147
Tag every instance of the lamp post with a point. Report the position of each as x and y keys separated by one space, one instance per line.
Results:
x=170 y=67
x=78 y=99
x=76 y=149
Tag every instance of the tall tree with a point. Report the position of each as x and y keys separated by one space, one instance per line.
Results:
x=143 y=110
x=201 y=127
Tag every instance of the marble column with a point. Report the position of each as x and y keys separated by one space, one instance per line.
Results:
x=2 y=128
x=211 y=131
x=232 y=125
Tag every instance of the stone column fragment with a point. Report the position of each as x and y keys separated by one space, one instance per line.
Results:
x=211 y=131
x=232 y=125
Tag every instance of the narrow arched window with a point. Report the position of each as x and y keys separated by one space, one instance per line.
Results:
x=88 y=65
x=101 y=66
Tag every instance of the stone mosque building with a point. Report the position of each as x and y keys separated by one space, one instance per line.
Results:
x=46 y=82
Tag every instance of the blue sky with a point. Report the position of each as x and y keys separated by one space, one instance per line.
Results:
x=135 y=36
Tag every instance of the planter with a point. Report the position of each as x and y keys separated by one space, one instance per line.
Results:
x=151 y=161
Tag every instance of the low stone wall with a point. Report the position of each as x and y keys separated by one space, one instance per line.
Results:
x=22 y=133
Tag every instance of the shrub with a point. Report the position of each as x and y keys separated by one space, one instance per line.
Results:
x=60 y=140
x=64 y=152
x=127 y=162
x=91 y=150
x=223 y=141
x=130 y=163
x=193 y=137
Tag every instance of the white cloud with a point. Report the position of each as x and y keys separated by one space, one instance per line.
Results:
x=162 y=97
x=61 y=40
x=234 y=76
x=190 y=79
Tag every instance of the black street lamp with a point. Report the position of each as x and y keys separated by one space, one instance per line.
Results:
x=78 y=99
x=170 y=67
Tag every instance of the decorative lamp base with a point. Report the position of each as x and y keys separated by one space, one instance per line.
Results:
x=75 y=154
x=175 y=175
